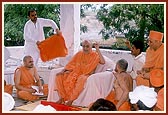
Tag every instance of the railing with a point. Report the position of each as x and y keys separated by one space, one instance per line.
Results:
x=44 y=68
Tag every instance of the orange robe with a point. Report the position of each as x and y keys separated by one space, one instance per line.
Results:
x=126 y=106
x=26 y=80
x=154 y=60
x=52 y=47
x=81 y=66
x=160 y=99
x=8 y=89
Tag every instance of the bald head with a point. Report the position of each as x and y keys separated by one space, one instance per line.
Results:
x=87 y=46
x=28 y=61
x=86 y=42
x=122 y=65
x=26 y=57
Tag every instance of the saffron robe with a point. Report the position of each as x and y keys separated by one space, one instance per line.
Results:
x=160 y=99
x=8 y=89
x=27 y=80
x=70 y=85
x=154 y=60
x=126 y=106
x=52 y=47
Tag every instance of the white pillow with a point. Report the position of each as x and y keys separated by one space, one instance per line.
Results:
x=109 y=64
x=9 y=102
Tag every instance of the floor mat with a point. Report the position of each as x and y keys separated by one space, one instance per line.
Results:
x=28 y=107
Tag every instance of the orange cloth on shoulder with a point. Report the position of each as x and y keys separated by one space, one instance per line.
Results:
x=52 y=47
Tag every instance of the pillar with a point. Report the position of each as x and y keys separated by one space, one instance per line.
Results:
x=70 y=27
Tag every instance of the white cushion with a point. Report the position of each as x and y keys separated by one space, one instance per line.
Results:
x=109 y=64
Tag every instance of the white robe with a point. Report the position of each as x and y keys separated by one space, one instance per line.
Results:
x=33 y=33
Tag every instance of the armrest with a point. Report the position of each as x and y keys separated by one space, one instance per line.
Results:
x=109 y=64
x=51 y=81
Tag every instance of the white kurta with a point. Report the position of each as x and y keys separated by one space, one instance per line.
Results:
x=33 y=33
x=137 y=65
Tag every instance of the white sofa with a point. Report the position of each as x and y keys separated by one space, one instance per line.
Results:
x=98 y=85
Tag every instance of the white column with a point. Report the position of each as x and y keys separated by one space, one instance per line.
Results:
x=70 y=27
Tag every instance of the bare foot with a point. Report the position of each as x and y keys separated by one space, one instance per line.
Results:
x=69 y=103
x=60 y=101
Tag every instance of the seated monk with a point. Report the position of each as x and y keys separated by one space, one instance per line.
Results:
x=154 y=57
x=8 y=88
x=25 y=77
x=157 y=81
x=70 y=81
x=123 y=84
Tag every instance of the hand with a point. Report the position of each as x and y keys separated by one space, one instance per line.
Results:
x=146 y=75
x=31 y=90
x=58 y=32
x=127 y=42
x=63 y=71
x=96 y=45
x=139 y=72
x=40 y=89
x=38 y=42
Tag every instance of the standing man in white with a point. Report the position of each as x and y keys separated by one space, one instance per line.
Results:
x=34 y=34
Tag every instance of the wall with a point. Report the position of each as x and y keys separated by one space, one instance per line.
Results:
x=44 y=70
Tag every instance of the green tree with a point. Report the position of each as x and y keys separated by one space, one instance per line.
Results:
x=83 y=7
x=15 y=17
x=133 y=20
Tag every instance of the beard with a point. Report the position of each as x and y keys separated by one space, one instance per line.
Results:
x=30 y=66
x=34 y=20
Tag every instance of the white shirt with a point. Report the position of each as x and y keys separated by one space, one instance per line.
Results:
x=33 y=32
x=137 y=64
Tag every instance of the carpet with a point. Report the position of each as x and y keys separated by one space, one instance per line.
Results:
x=32 y=106
x=28 y=107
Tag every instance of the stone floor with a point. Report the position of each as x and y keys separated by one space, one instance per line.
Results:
x=20 y=102
x=22 y=105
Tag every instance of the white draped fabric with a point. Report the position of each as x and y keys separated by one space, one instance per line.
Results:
x=98 y=85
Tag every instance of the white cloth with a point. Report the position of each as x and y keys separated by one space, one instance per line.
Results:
x=33 y=33
x=145 y=94
x=43 y=108
x=52 y=94
x=98 y=85
x=8 y=102
x=137 y=65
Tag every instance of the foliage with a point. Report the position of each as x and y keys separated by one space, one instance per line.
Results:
x=83 y=28
x=15 y=17
x=133 y=20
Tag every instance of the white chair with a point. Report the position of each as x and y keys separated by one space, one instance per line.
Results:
x=98 y=85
